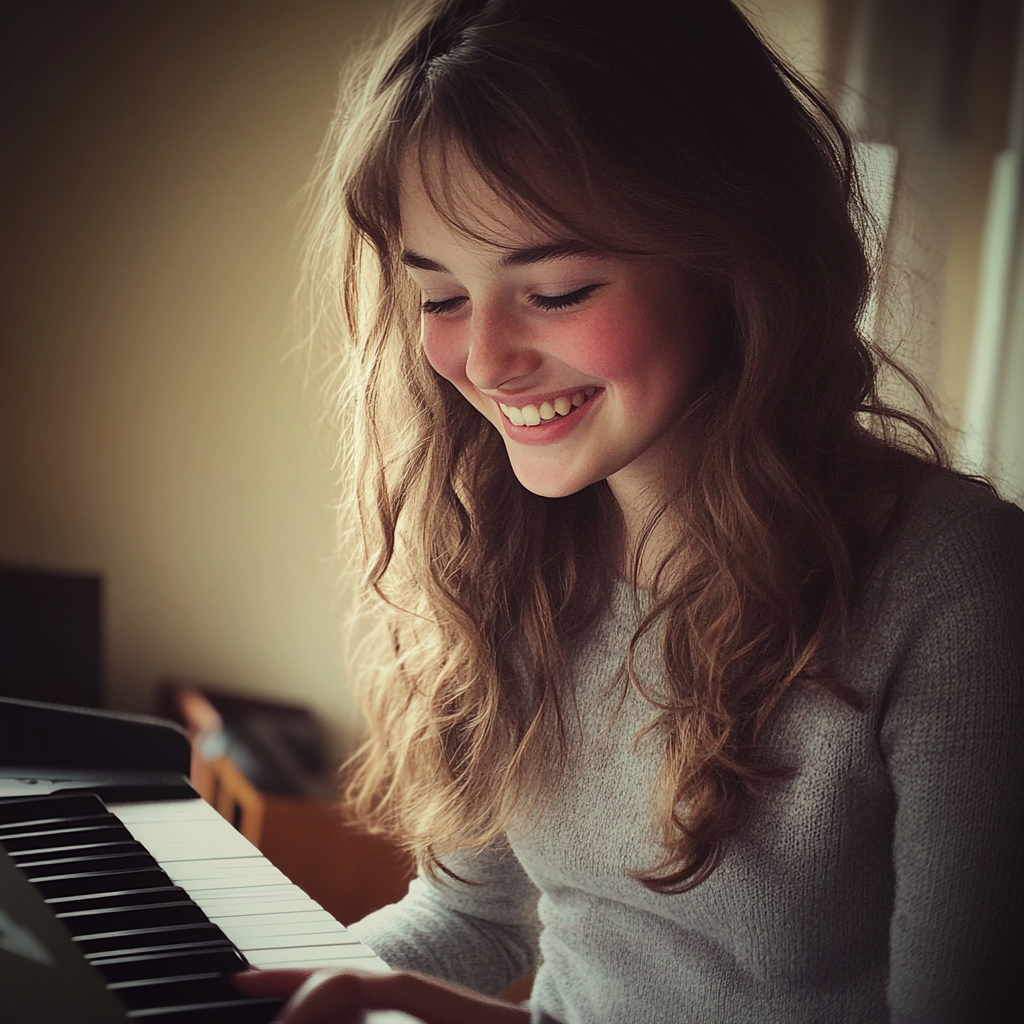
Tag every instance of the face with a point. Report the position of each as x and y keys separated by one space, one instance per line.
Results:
x=584 y=361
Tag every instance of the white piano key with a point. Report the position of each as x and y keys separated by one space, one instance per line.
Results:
x=210 y=881
x=264 y=960
x=164 y=810
x=211 y=884
x=264 y=916
x=246 y=941
x=276 y=903
x=242 y=867
x=271 y=920
x=295 y=935
x=200 y=840
x=275 y=911
x=334 y=930
x=330 y=944
x=274 y=893
x=356 y=955
x=241 y=870
x=279 y=891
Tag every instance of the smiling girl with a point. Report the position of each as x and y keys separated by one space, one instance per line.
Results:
x=701 y=692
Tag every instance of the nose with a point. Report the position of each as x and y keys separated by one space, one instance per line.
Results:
x=500 y=353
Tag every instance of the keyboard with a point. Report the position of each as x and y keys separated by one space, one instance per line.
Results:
x=152 y=903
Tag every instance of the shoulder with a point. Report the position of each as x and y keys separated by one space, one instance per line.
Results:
x=939 y=629
x=945 y=662
x=951 y=537
x=947 y=499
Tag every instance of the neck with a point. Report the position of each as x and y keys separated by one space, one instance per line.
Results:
x=638 y=508
x=643 y=490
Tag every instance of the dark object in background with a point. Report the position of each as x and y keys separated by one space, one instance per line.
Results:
x=34 y=734
x=117 y=756
x=50 y=630
x=279 y=748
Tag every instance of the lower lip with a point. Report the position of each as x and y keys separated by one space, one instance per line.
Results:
x=552 y=430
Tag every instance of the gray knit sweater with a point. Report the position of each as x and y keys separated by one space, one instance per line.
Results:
x=881 y=882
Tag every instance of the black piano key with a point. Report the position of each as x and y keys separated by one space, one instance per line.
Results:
x=157 y=951
x=126 y=919
x=152 y=939
x=97 y=849
x=123 y=898
x=41 y=828
x=200 y=937
x=175 y=991
x=95 y=882
x=239 y=1011
x=47 y=866
x=19 y=810
x=157 y=946
x=145 y=966
x=64 y=838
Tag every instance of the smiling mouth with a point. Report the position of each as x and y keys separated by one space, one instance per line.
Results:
x=536 y=415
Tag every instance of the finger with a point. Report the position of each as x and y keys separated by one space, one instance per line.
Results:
x=271 y=983
x=326 y=997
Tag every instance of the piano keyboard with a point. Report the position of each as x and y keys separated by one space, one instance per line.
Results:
x=164 y=899
x=271 y=920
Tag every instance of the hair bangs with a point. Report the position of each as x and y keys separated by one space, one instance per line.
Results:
x=491 y=105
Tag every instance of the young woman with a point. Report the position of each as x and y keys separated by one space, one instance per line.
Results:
x=702 y=685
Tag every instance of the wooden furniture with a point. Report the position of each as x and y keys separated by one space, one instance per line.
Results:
x=345 y=870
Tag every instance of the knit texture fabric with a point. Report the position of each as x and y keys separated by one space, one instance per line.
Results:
x=881 y=882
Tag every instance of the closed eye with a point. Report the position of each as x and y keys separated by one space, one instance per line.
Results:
x=566 y=300
x=438 y=307
x=441 y=306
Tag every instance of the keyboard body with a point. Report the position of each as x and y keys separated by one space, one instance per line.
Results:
x=267 y=920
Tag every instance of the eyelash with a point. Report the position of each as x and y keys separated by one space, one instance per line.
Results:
x=545 y=302
x=566 y=300
x=441 y=306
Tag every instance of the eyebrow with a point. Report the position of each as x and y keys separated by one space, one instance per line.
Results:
x=556 y=250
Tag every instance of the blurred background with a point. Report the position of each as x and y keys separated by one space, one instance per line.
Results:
x=156 y=430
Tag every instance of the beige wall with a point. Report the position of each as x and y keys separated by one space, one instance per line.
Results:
x=796 y=28
x=153 y=427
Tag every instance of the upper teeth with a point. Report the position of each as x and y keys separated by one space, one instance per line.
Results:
x=531 y=415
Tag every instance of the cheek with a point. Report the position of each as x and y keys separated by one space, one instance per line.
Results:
x=447 y=354
x=619 y=345
x=443 y=350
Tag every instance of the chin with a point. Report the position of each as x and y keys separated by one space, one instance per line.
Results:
x=551 y=487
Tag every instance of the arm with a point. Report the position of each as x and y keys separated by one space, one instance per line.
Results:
x=481 y=933
x=952 y=736
x=340 y=997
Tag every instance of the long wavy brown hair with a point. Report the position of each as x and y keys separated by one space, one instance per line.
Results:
x=662 y=126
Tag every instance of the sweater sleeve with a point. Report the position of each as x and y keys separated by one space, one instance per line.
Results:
x=481 y=931
x=952 y=735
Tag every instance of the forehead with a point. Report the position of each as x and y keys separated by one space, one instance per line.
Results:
x=428 y=237
x=445 y=199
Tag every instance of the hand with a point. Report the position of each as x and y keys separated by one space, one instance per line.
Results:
x=339 y=997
